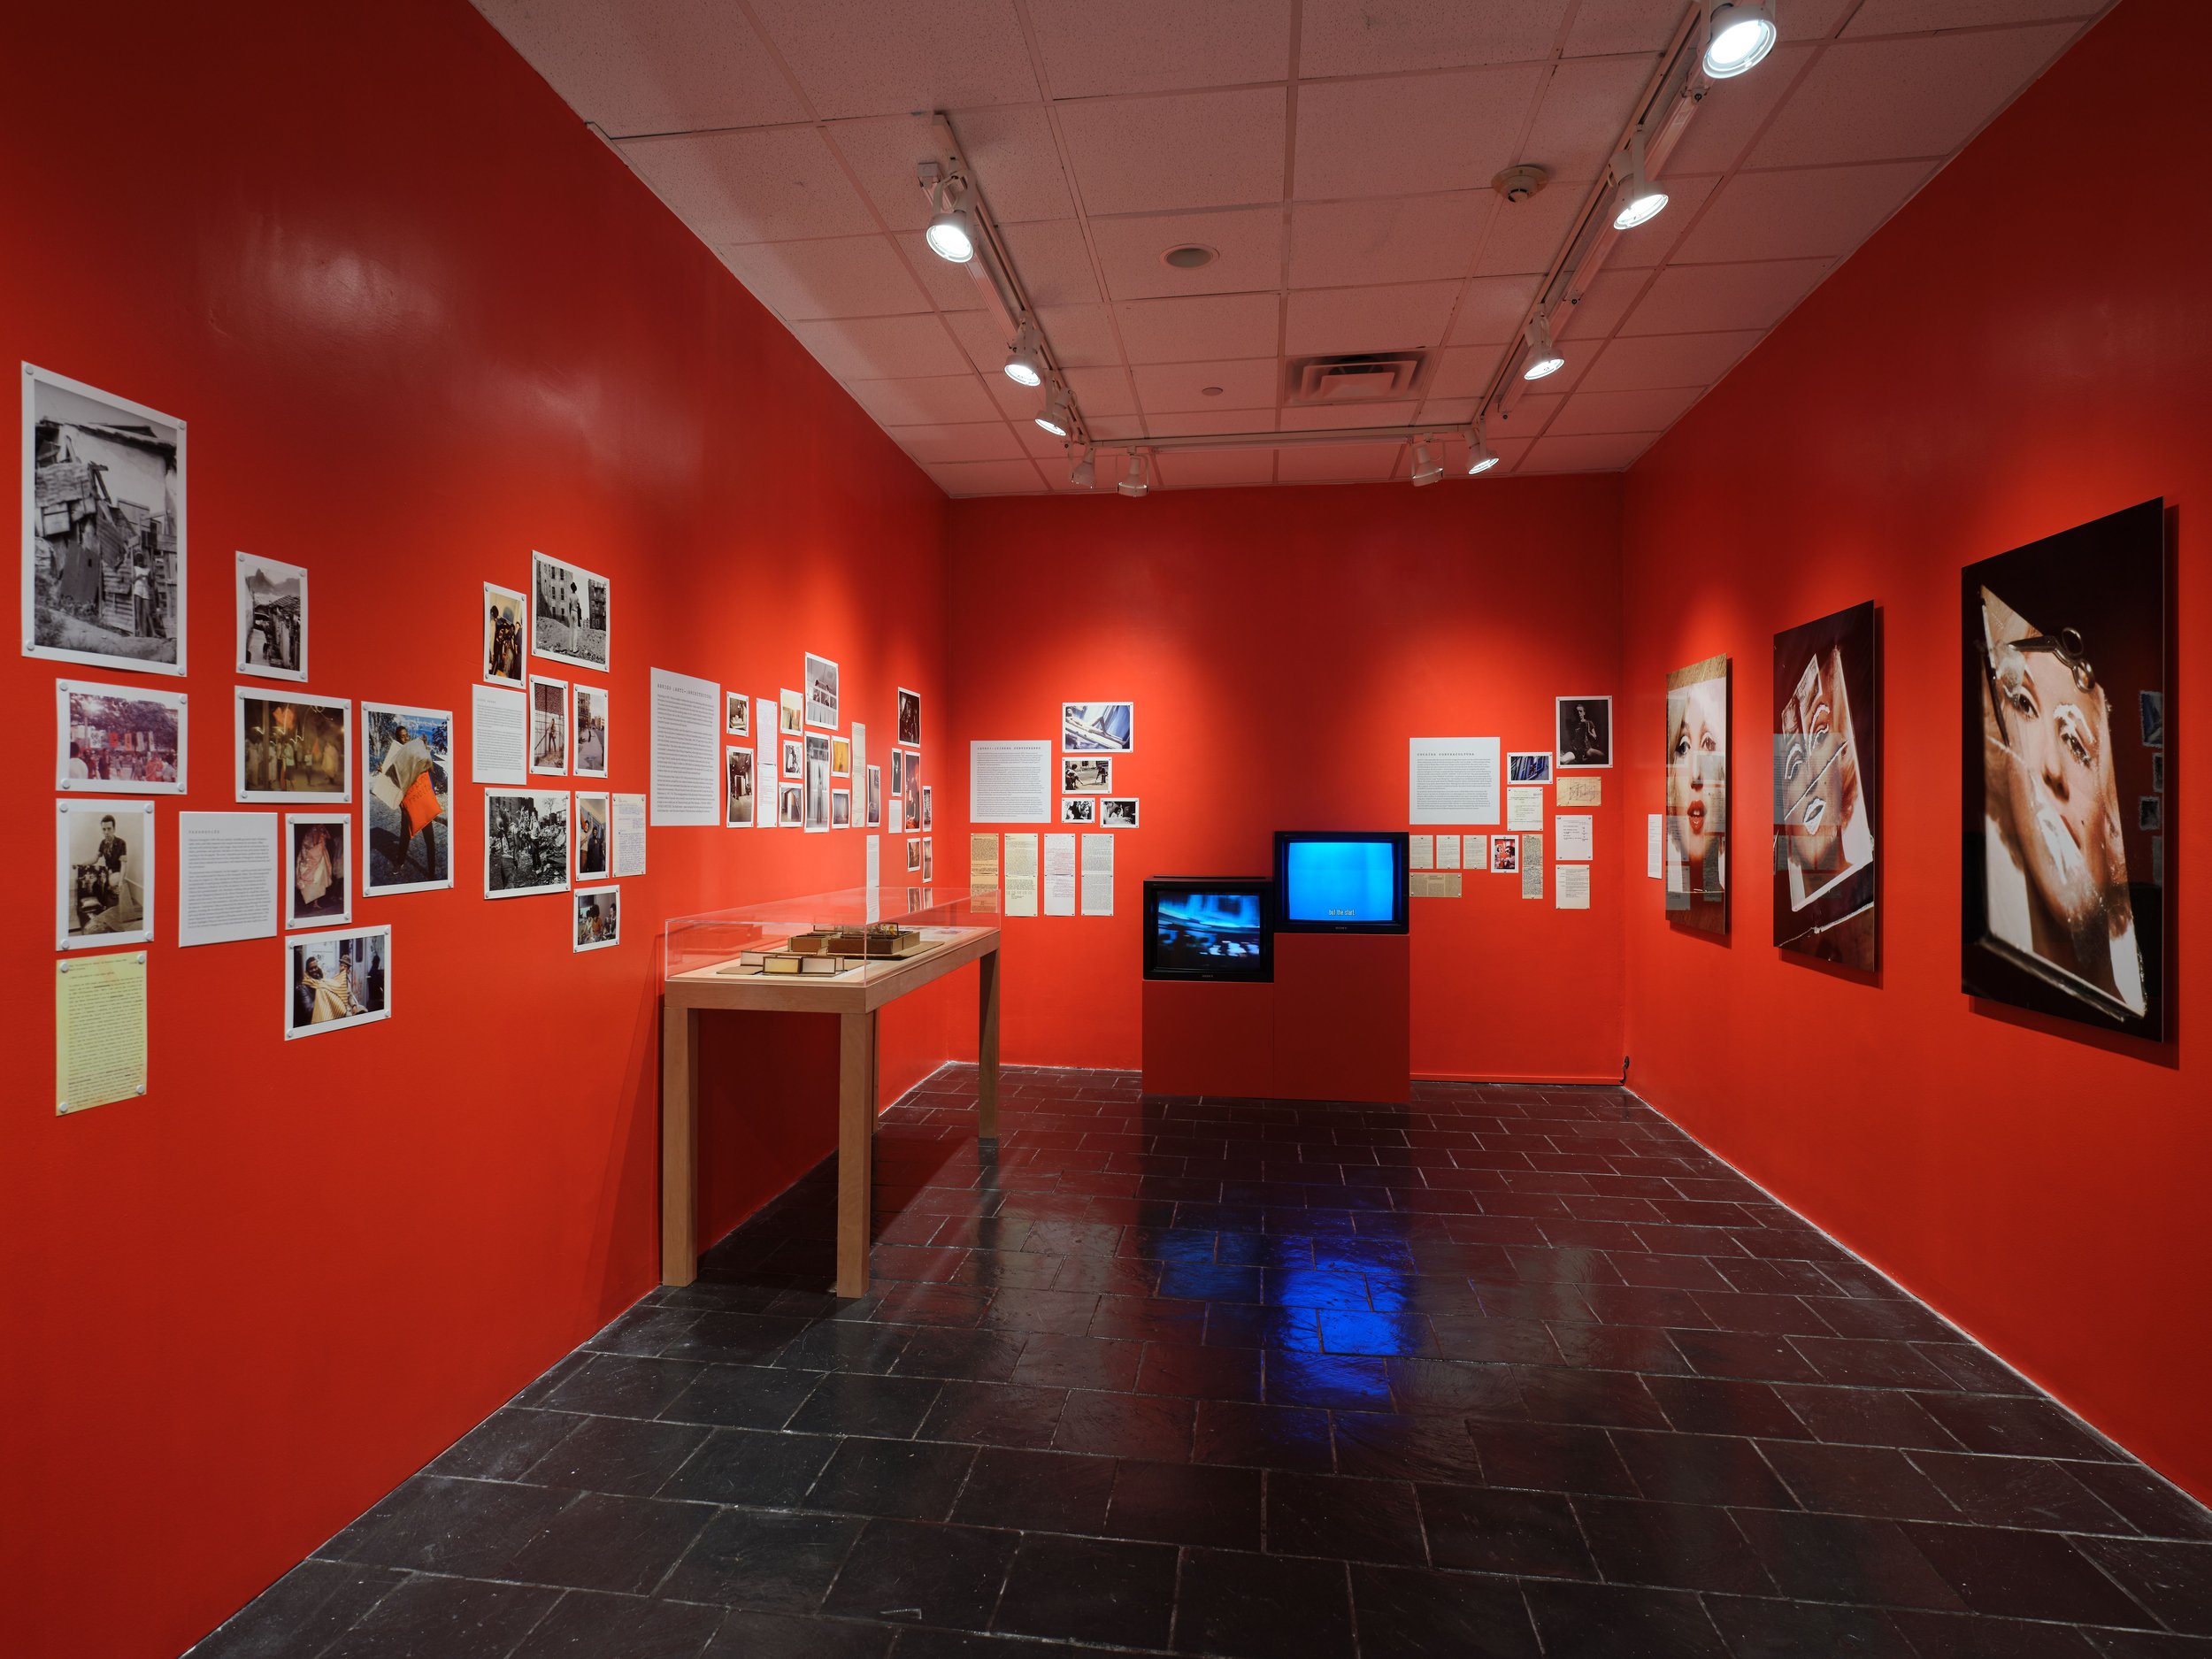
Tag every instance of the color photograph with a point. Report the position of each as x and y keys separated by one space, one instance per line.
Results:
x=1826 y=775
x=2065 y=649
x=406 y=798
x=913 y=855
x=118 y=739
x=840 y=757
x=929 y=860
x=549 y=726
x=737 y=714
x=336 y=979
x=840 y=809
x=875 y=797
x=271 y=605
x=595 y=836
x=929 y=807
x=821 y=693
x=104 y=543
x=526 y=843
x=790 y=713
x=913 y=802
x=503 y=635
x=103 y=876
x=737 y=798
x=1527 y=766
x=790 y=813
x=318 y=852
x=598 y=917
x=1505 y=853
x=909 y=717
x=293 y=748
x=570 y=611
x=1109 y=726
x=587 y=729
x=1585 y=731
x=1696 y=843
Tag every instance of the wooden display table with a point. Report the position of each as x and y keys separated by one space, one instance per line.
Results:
x=854 y=998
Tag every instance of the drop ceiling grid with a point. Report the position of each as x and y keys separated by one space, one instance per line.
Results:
x=1761 y=217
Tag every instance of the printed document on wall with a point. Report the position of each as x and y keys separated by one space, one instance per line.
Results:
x=1098 y=875
x=1448 y=852
x=1421 y=852
x=1452 y=780
x=499 y=736
x=685 y=776
x=1059 y=875
x=1524 y=808
x=1021 y=875
x=629 y=835
x=99 y=1030
x=1532 y=866
x=1577 y=838
x=226 y=877
x=1653 y=862
x=1572 y=887
x=1010 y=781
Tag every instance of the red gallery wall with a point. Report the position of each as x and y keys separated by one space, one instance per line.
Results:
x=1282 y=646
x=418 y=321
x=2024 y=348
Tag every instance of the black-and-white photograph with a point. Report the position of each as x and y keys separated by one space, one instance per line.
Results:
x=909 y=717
x=504 y=624
x=406 y=798
x=1087 y=774
x=104 y=543
x=840 y=809
x=571 y=613
x=598 y=917
x=318 y=852
x=2149 y=813
x=271 y=604
x=1077 y=809
x=737 y=766
x=875 y=796
x=794 y=758
x=790 y=813
x=336 y=979
x=118 y=739
x=292 y=748
x=2150 y=709
x=1118 y=812
x=526 y=843
x=589 y=731
x=549 y=726
x=817 y=782
x=821 y=693
x=1585 y=732
x=595 y=836
x=1109 y=728
x=1527 y=766
x=737 y=714
x=104 y=875
x=929 y=807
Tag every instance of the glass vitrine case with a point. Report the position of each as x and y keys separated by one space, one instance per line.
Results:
x=848 y=936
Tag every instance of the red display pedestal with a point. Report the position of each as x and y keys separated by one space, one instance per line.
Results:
x=1336 y=1025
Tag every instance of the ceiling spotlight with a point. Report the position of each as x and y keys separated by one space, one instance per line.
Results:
x=1426 y=468
x=1738 y=34
x=1024 y=363
x=950 y=235
x=1057 y=417
x=1479 y=456
x=1084 y=473
x=1133 y=483
x=1543 y=357
x=1637 y=201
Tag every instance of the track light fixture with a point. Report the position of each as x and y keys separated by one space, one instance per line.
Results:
x=952 y=235
x=1084 y=473
x=1543 y=357
x=1135 y=481
x=1480 y=458
x=1057 y=416
x=1025 y=362
x=1426 y=468
x=1738 y=34
x=1637 y=201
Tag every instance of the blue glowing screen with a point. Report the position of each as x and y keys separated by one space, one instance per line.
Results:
x=1339 y=881
x=1197 y=931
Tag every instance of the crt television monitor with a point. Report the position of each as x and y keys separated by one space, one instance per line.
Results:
x=1209 y=927
x=1341 y=881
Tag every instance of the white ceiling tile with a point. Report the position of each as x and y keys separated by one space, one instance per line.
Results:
x=1603 y=305
x=848 y=276
x=1248 y=244
x=1017 y=402
x=1113 y=428
x=1055 y=454
x=988 y=478
x=1526 y=417
x=1733 y=111
x=1628 y=365
x=980 y=337
x=1081 y=337
x=1334 y=321
x=1811 y=19
x=1337 y=463
x=1215 y=469
x=1493 y=310
x=774 y=184
x=948 y=398
x=1654 y=241
x=1052 y=263
x=1463 y=371
x=650 y=65
x=1588 y=412
x=1200 y=328
x=1368 y=37
x=1882 y=100
x=1329 y=417
x=1410 y=136
x=1524 y=236
x=883 y=152
x=1907 y=17
x=1622 y=26
x=1190 y=423
x=1011 y=149
x=1101 y=391
x=973 y=440
x=1446 y=411
x=1387 y=239
x=1585 y=107
x=953 y=287
x=853 y=58
x=1097 y=48
x=1585 y=455
x=1800 y=214
x=1251 y=383
x=1181 y=150
x=882 y=348
x=1700 y=299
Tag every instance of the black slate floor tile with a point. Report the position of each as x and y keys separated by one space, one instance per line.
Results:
x=1595 y=1621
x=1795 y=1630
x=302 y=1612
x=751 y=1466
x=1673 y=1545
x=1840 y=1558
x=504 y=1444
x=1089 y=1589
x=598 y=1542
x=740 y=1397
x=1345 y=1519
x=845 y=1403
x=1965 y=1636
x=1411 y=1613
x=617 y=1455
x=634 y=1627
x=915 y=1571
x=1701 y=1469
x=2023 y=1575
x=464 y=1527
x=1496 y=1530
x=444 y=1618
x=1257 y=1607
x=782 y=1636
x=2174 y=1580
x=1186 y=1504
x=915 y=1480
x=765 y=1559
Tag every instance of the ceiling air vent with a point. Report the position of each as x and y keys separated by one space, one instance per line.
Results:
x=1362 y=377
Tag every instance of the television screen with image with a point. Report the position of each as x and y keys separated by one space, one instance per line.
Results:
x=1209 y=927
x=1341 y=881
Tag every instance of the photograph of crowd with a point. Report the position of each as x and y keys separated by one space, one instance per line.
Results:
x=119 y=739
x=103 y=876
x=337 y=979
x=407 y=798
x=271 y=604
x=526 y=843
x=293 y=748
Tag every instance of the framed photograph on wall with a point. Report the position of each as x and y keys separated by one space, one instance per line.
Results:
x=737 y=796
x=587 y=729
x=336 y=979
x=1087 y=774
x=406 y=798
x=821 y=693
x=598 y=917
x=291 y=748
x=737 y=714
x=270 y=600
x=504 y=624
x=104 y=873
x=1827 y=777
x=549 y=726
x=118 y=739
x=790 y=811
x=2063 y=648
x=790 y=713
x=909 y=717
x=817 y=782
x=595 y=836
x=1585 y=727
x=1696 y=841
x=319 y=863
x=874 y=796
x=1528 y=766
x=526 y=843
x=1110 y=727
x=572 y=612
x=103 y=527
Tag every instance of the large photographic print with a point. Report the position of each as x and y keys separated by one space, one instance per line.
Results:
x=526 y=843
x=570 y=611
x=336 y=979
x=104 y=540
x=104 y=874
x=1585 y=732
x=119 y=739
x=1827 y=777
x=407 y=798
x=2064 y=642
x=293 y=748
x=1697 y=795
x=1110 y=727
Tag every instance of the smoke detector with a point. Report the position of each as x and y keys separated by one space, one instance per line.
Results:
x=1517 y=184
